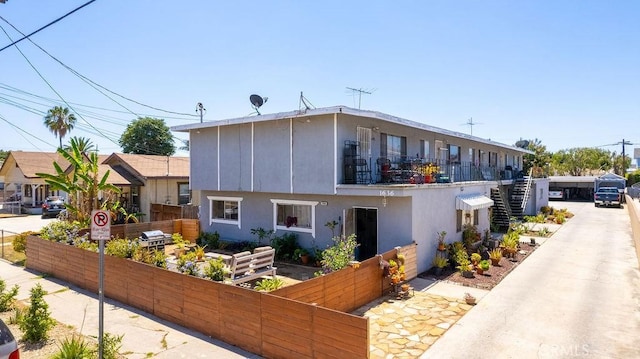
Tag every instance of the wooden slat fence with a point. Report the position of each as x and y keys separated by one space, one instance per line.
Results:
x=190 y=228
x=351 y=288
x=269 y=325
x=164 y=212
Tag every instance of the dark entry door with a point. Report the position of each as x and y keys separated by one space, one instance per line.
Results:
x=366 y=223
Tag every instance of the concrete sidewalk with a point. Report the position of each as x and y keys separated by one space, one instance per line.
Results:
x=143 y=333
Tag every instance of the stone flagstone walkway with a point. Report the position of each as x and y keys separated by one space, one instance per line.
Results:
x=406 y=328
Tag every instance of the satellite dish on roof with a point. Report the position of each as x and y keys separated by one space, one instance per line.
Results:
x=257 y=101
x=522 y=144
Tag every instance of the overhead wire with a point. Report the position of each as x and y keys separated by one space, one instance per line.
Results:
x=95 y=84
x=45 y=26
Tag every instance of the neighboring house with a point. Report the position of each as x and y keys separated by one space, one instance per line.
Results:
x=152 y=179
x=297 y=171
x=142 y=179
x=19 y=171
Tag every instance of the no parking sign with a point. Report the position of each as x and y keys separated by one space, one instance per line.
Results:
x=100 y=225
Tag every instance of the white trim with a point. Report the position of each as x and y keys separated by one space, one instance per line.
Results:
x=312 y=204
x=218 y=158
x=253 y=134
x=225 y=221
x=335 y=153
x=291 y=155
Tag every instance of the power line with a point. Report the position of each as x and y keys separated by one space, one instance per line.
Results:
x=47 y=25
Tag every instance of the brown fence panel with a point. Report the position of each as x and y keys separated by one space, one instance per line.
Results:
x=163 y=212
x=340 y=335
x=309 y=291
x=190 y=229
x=115 y=278
x=410 y=260
x=339 y=290
x=286 y=333
x=240 y=324
x=168 y=297
x=368 y=285
x=202 y=305
x=91 y=271
x=140 y=285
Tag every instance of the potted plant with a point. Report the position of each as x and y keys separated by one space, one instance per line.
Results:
x=199 y=251
x=469 y=299
x=180 y=243
x=441 y=243
x=439 y=262
x=510 y=243
x=475 y=258
x=483 y=266
x=495 y=255
x=303 y=254
x=464 y=266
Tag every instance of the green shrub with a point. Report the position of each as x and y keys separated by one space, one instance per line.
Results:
x=153 y=257
x=187 y=264
x=210 y=240
x=269 y=284
x=285 y=246
x=37 y=320
x=340 y=254
x=7 y=299
x=215 y=269
x=121 y=247
x=20 y=241
x=86 y=244
x=111 y=345
x=62 y=231
x=75 y=348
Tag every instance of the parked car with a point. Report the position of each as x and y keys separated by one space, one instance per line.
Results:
x=555 y=193
x=52 y=206
x=8 y=344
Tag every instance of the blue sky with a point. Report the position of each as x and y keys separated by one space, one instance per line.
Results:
x=564 y=72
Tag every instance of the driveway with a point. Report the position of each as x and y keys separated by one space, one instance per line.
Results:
x=578 y=295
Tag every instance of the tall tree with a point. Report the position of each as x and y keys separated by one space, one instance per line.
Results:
x=59 y=121
x=581 y=161
x=148 y=136
x=538 y=162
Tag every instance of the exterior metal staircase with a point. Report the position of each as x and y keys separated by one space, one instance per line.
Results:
x=501 y=210
x=520 y=195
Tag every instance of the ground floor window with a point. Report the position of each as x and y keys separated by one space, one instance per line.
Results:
x=225 y=210
x=466 y=217
x=183 y=193
x=297 y=216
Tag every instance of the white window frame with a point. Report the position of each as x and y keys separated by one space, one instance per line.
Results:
x=312 y=204
x=212 y=220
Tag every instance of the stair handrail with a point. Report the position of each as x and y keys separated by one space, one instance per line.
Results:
x=527 y=190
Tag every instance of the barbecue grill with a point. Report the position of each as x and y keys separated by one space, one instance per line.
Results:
x=154 y=239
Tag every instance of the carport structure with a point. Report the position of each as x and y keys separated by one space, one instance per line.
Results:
x=574 y=187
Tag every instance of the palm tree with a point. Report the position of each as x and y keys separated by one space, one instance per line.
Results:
x=83 y=144
x=59 y=121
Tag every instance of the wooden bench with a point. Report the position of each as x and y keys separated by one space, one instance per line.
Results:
x=246 y=266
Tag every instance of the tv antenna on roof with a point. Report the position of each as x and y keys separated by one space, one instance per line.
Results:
x=257 y=101
x=360 y=91
x=471 y=124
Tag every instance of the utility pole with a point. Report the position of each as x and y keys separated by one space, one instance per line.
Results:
x=200 y=108
x=360 y=92
x=627 y=143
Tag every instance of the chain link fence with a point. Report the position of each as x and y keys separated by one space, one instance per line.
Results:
x=6 y=242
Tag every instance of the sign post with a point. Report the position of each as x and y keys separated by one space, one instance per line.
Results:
x=100 y=231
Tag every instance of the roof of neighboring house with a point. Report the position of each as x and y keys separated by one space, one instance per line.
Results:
x=348 y=111
x=31 y=163
x=115 y=178
x=148 y=166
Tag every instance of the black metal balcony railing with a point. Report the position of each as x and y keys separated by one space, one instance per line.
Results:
x=419 y=171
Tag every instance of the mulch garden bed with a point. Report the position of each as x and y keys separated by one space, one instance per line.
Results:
x=488 y=279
